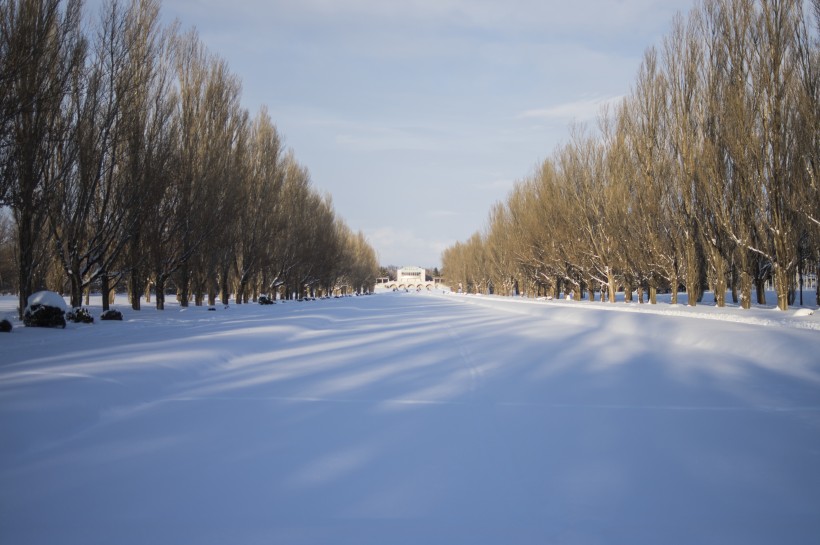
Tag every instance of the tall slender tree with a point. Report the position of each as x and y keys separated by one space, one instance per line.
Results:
x=43 y=44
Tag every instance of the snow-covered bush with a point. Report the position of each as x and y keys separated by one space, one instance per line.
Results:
x=48 y=299
x=5 y=326
x=45 y=309
x=265 y=300
x=111 y=315
x=80 y=316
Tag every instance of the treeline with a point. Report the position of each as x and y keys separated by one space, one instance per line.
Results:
x=704 y=177
x=127 y=157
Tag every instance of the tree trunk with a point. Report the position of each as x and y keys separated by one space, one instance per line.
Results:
x=720 y=281
x=184 y=287
x=693 y=267
x=675 y=281
x=105 y=291
x=611 y=287
x=134 y=288
x=734 y=283
x=240 y=291
x=781 y=286
x=212 y=289
x=745 y=290
x=26 y=253
x=198 y=289
x=800 y=283
x=75 y=288
x=760 y=287
x=263 y=281
x=225 y=294
x=159 y=288
x=817 y=281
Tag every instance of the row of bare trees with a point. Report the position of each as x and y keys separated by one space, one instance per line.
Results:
x=705 y=177
x=127 y=157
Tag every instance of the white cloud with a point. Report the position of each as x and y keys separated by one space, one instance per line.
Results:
x=500 y=184
x=442 y=213
x=579 y=110
x=387 y=139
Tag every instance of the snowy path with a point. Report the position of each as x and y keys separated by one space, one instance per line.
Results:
x=405 y=419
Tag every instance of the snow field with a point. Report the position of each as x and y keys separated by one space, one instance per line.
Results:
x=412 y=418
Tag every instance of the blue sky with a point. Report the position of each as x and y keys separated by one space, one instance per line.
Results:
x=418 y=115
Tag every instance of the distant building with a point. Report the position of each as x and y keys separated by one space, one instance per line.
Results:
x=411 y=275
x=411 y=278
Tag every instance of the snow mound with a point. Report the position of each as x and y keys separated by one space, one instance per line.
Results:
x=49 y=299
x=803 y=312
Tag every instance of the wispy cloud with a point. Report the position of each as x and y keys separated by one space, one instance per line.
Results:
x=387 y=139
x=442 y=213
x=602 y=15
x=579 y=110
x=502 y=184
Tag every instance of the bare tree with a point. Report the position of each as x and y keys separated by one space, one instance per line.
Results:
x=260 y=195
x=683 y=55
x=454 y=265
x=91 y=205
x=195 y=202
x=42 y=44
x=7 y=244
x=499 y=251
x=362 y=265
x=809 y=58
x=778 y=167
x=147 y=133
x=706 y=175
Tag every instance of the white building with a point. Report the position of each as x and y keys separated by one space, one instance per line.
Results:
x=414 y=278
x=410 y=275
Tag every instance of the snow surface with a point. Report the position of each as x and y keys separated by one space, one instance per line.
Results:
x=413 y=418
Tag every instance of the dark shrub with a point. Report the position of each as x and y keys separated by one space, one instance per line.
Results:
x=43 y=316
x=111 y=315
x=79 y=316
x=5 y=326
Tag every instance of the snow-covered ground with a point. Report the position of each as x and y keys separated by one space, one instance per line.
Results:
x=413 y=418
